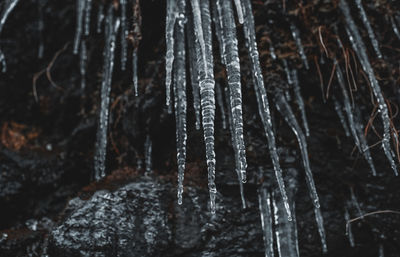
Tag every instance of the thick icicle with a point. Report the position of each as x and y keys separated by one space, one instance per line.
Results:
x=284 y=108
x=179 y=86
x=361 y=51
x=134 y=71
x=82 y=63
x=100 y=17
x=205 y=64
x=355 y=125
x=296 y=36
x=169 y=39
x=80 y=8
x=285 y=230
x=239 y=11
x=349 y=232
x=8 y=7
x=220 y=103
x=148 y=149
x=264 y=203
x=231 y=56
x=299 y=101
x=339 y=111
x=367 y=25
x=124 y=35
x=109 y=49
x=88 y=13
x=235 y=149
x=194 y=73
x=262 y=99
x=197 y=22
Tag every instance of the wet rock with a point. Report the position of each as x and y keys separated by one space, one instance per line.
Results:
x=142 y=218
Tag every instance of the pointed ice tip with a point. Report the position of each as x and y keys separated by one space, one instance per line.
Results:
x=180 y=200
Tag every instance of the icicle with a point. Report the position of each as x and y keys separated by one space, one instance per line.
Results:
x=381 y=250
x=109 y=49
x=124 y=35
x=8 y=7
x=232 y=64
x=355 y=125
x=287 y=71
x=205 y=64
x=220 y=103
x=169 y=39
x=194 y=80
x=297 y=39
x=272 y=50
x=355 y=203
x=148 y=147
x=299 y=101
x=88 y=12
x=100 y=17
x=262 y=99
x=82 y=63
x=394 y=27
x=197 y=22
x=349 y=232
x=134 y=71
x=367 y=25
x=40 y=28
x=239 y=11
x=80 y=5
x=179 y=84
x=264 y=203
x=286 y=111
x=340 y=113
x=235 y=149
x=360 y=49
x=285 y=230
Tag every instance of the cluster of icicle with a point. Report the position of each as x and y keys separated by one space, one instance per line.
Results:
x=189 y=26
x=114 y=17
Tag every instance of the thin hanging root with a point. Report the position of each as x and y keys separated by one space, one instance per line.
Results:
x=322 y=41
x=321 y=79
x=47 y=70
x=371 y=121
x=368 y=214
x=330 y=80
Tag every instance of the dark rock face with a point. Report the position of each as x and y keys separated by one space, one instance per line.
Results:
x=131 y=221
x=143 y=219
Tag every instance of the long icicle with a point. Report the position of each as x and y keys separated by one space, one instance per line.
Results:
x=169 y=39
x=339 y=111
x=231 y=56
x=100 y=17
x=355 y=126
x=262 y=100
x=360 y=49
x=82 y=63
x=109 y=49
x=367 y=25
x=194 y=74
x=88 y=13
x=239 y=11
x=235 y=149
x=124 y=35
x=299 y=101
x=8 y=7
x=296 y=36
x=284 y=108
x=285 y=230
x=80 y=8
x=179 y=82
x=205 y=64
x=265 y=206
